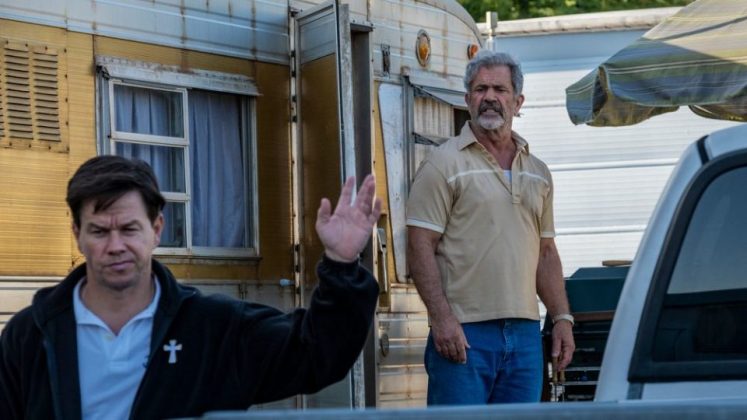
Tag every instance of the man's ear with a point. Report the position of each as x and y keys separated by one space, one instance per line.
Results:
x=519 y=103
x=158 y=228
x=76 y=233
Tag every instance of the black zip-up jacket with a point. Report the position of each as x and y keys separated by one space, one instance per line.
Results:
x=233 y=353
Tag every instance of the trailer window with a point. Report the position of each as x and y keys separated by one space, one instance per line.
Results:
x=433 y=125
x=200 y=144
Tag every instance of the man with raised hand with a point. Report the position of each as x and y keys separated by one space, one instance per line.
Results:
x=119 y=337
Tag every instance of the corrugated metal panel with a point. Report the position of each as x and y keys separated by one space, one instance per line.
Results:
x=606 y=199
x=256 y=30
x=17 y=294
x=34 y=224
x=402 y=378
x=402 y=387
x=590 y=250
x=553 y=137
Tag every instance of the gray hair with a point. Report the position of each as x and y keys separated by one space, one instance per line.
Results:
x=488 y=58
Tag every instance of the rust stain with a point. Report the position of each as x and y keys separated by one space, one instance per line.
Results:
x=183 y=13
x=445 y=43
x=253 y=26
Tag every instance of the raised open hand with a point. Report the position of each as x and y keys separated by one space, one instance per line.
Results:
x=345 y=232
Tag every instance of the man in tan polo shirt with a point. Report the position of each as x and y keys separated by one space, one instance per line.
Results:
x=481 y=248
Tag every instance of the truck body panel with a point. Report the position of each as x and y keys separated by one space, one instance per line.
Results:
x=718 y=372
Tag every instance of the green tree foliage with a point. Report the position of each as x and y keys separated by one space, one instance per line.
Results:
x=523 y=9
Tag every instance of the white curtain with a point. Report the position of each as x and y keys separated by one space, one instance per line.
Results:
x=216 y=160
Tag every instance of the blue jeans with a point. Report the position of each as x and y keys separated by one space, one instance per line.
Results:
x=504 y=364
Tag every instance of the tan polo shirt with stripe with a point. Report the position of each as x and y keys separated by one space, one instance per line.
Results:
x=491 y=227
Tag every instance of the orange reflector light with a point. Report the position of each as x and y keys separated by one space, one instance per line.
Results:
x=472 y=49
x=423 y=48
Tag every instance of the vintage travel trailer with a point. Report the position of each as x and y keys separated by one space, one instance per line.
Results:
x=249 y=111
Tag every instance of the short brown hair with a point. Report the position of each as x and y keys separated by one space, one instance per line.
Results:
x=107 y=178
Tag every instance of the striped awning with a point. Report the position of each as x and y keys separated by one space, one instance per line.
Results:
x=697 y=58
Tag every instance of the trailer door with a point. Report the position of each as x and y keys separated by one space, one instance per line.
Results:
x=327 y=145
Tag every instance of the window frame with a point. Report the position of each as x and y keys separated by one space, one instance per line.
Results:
x=108 y=137
x=643 y=369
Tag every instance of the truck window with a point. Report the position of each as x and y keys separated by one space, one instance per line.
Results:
x=693 y=326
x=705 y=305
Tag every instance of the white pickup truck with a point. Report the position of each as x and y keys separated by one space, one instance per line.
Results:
x=680 y=327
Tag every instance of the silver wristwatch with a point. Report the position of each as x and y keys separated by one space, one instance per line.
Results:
x=563 y=317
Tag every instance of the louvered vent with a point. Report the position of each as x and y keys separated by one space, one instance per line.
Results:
x=31 y=107
x=2 y=113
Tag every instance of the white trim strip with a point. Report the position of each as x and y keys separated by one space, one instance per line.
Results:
x=547 y=234
x=644 y=163
x=30 y=279
x=425 y=225
x=601 y=230
x=535 y=176
x=474 y=171
x=490 y=171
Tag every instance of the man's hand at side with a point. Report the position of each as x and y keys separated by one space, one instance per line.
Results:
x=449 y=339
x=562 y=343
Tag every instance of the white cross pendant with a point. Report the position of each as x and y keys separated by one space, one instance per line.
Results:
x=172 y=348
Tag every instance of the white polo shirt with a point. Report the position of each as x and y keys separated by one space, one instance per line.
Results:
x=110 y=367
